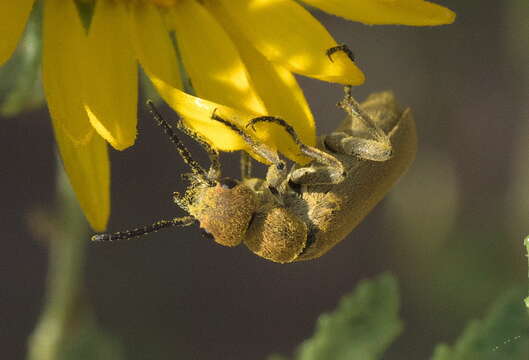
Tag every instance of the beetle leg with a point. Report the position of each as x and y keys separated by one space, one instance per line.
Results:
x=180 y=201
x=260 y=149
x=375 y=147
x=246 y=166
x=306 y=175
x=342 y=47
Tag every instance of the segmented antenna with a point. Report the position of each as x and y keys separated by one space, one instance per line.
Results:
x=129 y=234
x=213 y=154
x=182 y=150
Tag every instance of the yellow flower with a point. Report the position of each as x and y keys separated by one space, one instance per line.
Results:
x=239 y=54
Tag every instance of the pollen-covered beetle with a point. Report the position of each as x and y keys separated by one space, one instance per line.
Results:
x=302 y=213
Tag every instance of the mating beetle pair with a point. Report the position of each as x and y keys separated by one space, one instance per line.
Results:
x=302 y=213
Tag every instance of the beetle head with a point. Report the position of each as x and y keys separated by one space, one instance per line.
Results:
x=224 y=210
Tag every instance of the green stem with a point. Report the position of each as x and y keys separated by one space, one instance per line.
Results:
x=65 y=278
x=517 y=42
x=526 y=243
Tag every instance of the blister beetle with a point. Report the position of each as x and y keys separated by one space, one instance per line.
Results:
x=299 y=214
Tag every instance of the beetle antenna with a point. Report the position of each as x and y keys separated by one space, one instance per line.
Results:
x=213 y=154
x=182 y=150
x=129 y=234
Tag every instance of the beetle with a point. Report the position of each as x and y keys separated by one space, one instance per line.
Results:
x=301 y=213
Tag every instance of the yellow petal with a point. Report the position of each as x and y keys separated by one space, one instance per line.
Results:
x=88 y=169
x=196 y=114
x=13 y=17
x=157 y=58
x=111 y=76
x=404 y=12
x=217 y=73
x=208 y=74
x=286 y=33
x=283 y=98
x=61 y=66
x=281 y=94
x=152 y=44
x=216 y=70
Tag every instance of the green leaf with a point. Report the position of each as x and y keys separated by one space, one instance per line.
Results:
x=362 y=326
x=503 y=334
x=276 y=357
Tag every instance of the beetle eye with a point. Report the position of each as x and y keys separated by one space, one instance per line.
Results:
x=228 y=183
x=273 y=190
x=251 y=221
x=206 y=235
x=295 y=187
x=311 y=238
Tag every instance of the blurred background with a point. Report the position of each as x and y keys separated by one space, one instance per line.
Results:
x=451 y=230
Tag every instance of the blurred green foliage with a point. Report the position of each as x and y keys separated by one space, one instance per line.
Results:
x=90 y=343
x=67 y=328
x=366 y=322
x=20 y=88
x=362 y=327
x=503 y=334
x=526 y=243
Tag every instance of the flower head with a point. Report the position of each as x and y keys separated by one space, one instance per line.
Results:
x=240 y=56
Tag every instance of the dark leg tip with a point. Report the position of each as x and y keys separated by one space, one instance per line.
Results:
x=342 y=47
x=101 y=237
x=214 y=115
